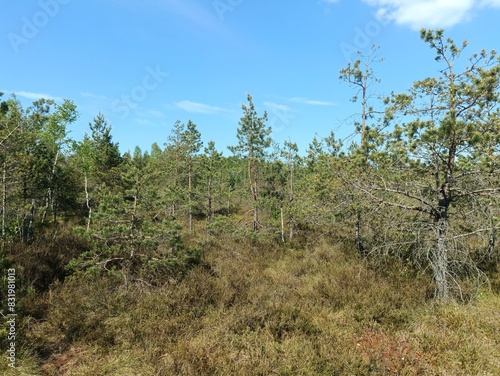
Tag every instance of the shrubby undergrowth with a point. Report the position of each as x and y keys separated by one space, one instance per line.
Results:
x=261 y=308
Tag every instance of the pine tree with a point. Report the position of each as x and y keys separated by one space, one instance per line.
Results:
x=441 y=163
x=191 y=145
x=182 y=148
x=98 y=158
x=212 y=163
x=253 y=140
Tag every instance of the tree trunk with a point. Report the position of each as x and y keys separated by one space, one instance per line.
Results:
x=282 y=225
x=255 y=218
x=134 y=213
x=87 y=201
x=440 y=260
x=491 y=240
x=133 y=221
x=209 y=203
x=491 y=245
x=30 y=224
x=49 y=200
x=363 y=114
x=358 y=239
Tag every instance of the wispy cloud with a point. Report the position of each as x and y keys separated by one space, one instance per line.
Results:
x=277 y=107
x=155 y=113
x=313 y=102
x=193 y=12
x=142 y=121
x=280 y=116
x=490 y=3
x=201 y=108
x=429 y=14
x=32 y=95
x=93 y=96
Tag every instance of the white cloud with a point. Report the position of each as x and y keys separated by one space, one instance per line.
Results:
x=490 y=3
x=429 y=13
x=197 y=107
x=155 y=113
x=192 y=12
x=94 y=96
x=312 y=102
x=34 y=96
x=142 y=121
x=277 y=107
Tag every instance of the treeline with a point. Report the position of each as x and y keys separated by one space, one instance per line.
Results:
x=422 y=185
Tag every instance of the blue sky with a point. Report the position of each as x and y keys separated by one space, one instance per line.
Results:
x=145 y=64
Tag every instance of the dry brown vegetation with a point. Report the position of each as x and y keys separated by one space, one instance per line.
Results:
x=258 y=308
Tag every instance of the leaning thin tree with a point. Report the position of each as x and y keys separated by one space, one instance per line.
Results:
x=361 y=77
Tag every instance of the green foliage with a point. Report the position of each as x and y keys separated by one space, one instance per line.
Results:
x=220 y=225
x=146 y=262
x=105 y=154
x=253 y=135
